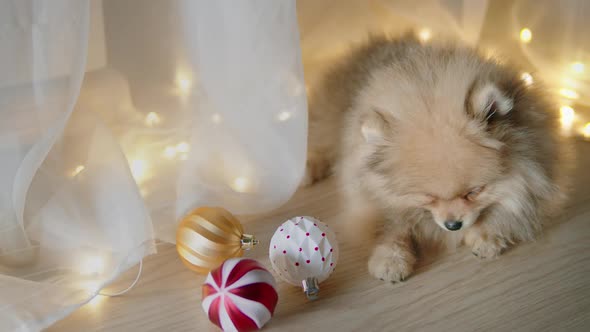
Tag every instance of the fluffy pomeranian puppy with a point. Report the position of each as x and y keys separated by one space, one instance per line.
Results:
x=439 y=145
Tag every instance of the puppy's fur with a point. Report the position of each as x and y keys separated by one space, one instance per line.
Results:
x=420 y=135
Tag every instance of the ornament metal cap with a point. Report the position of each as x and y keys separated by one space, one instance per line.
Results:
x=311 y=288
x=248 y=241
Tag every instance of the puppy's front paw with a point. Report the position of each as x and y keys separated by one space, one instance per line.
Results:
x=485 y=247
x=391 y=263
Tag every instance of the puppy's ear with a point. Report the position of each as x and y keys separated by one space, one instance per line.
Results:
x=374 y=126
x=487 y=102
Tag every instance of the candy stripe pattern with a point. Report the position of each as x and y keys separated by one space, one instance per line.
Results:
x=240 y=295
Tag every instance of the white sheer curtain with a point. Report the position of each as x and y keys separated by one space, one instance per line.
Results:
x=118 y=116
x=197 y=103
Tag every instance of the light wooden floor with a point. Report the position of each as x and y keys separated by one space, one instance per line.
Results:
x=541 y=286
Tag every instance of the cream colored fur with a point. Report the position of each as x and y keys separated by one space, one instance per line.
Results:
x=423 y=134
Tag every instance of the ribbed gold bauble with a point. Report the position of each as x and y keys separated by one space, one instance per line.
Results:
x=208 y=236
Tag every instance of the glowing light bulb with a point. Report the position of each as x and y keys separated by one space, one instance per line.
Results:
x=586 y=130
x=92 y=265
x=78 y=170
x=240 y=184
x=568 y=93
x=577 y=67
x=424 y=35
x=96 y=300
x=526 y=35
x=527 y=78
x=568 y=115
x=183 y=83
x=216 y=118
x=284 y=116
x=183 y=147
x=170 y=152
x=152 y=119
x=139 y=169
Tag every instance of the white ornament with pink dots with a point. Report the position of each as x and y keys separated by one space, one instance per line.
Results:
x=303 y=251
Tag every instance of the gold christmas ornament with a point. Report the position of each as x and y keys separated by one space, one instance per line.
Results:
x=208 y=236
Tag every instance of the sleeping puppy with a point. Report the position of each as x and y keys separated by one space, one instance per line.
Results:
x=439 y=146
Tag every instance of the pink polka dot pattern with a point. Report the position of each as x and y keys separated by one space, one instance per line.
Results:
x=305 y=247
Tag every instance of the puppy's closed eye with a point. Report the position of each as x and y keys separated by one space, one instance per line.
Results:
x=472 y=194
x=416 y=199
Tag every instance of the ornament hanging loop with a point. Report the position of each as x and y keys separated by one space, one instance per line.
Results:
x=248 y=241
x=311 y=288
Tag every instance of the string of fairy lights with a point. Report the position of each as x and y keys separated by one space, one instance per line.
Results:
x=94 y=265
x=571 y=123
x=569 y=120
x=140 y=167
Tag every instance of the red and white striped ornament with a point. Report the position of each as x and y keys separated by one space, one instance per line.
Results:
x=240 y=295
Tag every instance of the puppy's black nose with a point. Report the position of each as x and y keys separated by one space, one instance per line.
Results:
x=453 y=225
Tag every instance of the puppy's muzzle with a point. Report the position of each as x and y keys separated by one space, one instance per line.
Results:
x=453 y=225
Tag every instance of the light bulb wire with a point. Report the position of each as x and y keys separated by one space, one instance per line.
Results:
x=124 y=291
x=128 y=288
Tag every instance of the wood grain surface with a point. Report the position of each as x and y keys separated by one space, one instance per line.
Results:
x=540 y=286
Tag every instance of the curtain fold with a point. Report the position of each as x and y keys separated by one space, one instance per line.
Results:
x=117 y=117
x=99 y=161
